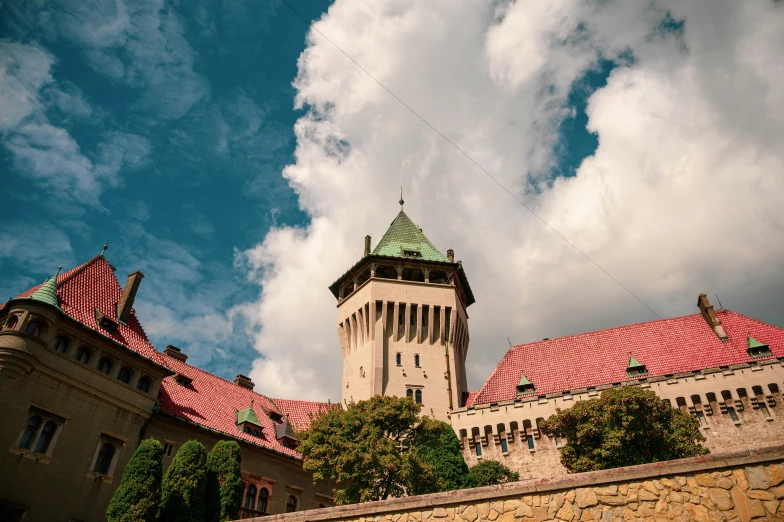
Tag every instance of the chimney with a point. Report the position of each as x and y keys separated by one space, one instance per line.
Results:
x=125 y=303
x=175 y=353
x=450 y=254
x=706 y=309
x=243 y=382
x=367 y=245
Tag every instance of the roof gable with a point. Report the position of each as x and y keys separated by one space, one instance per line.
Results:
x=404 y=236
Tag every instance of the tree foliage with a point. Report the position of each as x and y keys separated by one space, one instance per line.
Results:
x=363 y=446
x=436 y=445
x=183 y=487
x=490 y=472
x=224 y=482
x=623 y=427
x=139 y=494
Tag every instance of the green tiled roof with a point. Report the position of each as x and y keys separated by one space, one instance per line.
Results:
x=524 y=380
x=753 y=343
x=404 y=236
x=47 y=292
x=248 y=415
x=634 y=364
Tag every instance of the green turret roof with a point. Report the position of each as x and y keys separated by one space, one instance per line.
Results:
x=524 y=380
x=634 y=364
x=248 y=415
x=404 y=236
x=753 y=343
x=47 y=292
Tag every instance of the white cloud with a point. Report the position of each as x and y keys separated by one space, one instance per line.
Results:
x=682 y=195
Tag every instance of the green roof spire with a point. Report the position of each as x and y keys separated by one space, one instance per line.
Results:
x=248 y=415
x=405 y=239
x=524 y=380
x=47 y=292
x=634 y=363
x=753 y=343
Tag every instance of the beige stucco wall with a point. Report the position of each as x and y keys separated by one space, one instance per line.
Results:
x=371 y=336
x=734 y=486
x=722 y=434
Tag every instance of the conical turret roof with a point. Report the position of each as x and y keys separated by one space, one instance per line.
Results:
x=404 y=239
x=47 y=292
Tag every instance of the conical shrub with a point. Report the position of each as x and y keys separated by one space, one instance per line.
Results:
x=139 y=495
x=183 y=488
x=224 y=482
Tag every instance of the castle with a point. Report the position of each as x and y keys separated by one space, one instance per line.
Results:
x=82 y=384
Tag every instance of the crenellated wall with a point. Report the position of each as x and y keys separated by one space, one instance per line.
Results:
x=737 y=486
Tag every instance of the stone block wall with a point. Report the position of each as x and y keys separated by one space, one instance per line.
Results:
x=739 y=486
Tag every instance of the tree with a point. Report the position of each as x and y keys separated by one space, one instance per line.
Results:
x=182 y=492
x=437 y=446
x=365 y=446
x=139 y=494
x=224 y=482
x=623 y=427
x=490 y=472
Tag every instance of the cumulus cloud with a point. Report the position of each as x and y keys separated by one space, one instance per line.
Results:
x=680 y=197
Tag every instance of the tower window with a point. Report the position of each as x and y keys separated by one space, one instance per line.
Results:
x=504 y=446
x=412 y=253
x=105 y=457
x=33 y=424
x=410 y=393
x=399 y=358
x=35 y=328
x=416 y=360
x=530 y=439
x=418 y=396
x=60 y=344
x=10 y=324
x=144 y=384
x=478 y=450
x=83 y=355
x=124 y=375
x=104 y=365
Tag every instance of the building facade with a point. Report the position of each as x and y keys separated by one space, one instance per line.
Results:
x=82 y=386
x=403 y=330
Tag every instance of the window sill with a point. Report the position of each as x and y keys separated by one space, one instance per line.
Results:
x=29 y=454
x=531 y=451
x=99 y=477
x=736 y=423
x=769 y=419
x=505 y=453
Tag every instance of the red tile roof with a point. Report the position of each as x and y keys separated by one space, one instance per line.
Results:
x=209 y=401
x=665 y=347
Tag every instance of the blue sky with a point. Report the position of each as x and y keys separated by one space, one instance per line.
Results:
x=200 y=138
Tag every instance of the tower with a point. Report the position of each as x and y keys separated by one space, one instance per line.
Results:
x=402 y=321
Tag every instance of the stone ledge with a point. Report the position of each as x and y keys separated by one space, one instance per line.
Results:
x=536 y=486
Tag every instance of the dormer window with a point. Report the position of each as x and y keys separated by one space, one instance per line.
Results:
x=247 y=422
x=105 y=322
x=756 y=348
x=416 y=254
x=635 y=368
x=525 y=386
x=286 y=435
x=183 y=380
x=275 y=416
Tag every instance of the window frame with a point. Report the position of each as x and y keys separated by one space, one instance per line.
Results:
x=291 y=504
x=263 y=497
x=31 y=449
x=118 y=444
x=64 y=340
x=38 y=326
x=249 y=501
x=145 y=379
x=129 y=371
x=108 y=361
x=417 y=360
x=83 y=349
x=8 y=324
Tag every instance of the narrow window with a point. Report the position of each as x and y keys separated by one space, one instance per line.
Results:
x=144 y=384
x=398 y=358
x=246 y=429
x=10 y=324
x=104 y=460
x=416 y=360
x=764 y=410
x=60 y=344
x=530 y=442
x=478 y=450
x=124 y=375
x=701 y=418
x=104 y=365
x=167 y=449
x=291 y=505
x=83 y=355
x=30 y=432
x=410 y=393
x=418 y=396
x=504 y=446
x=46 y=437
x=34 y=329
x=250 y=496
x=733 y=415
x=263 y=496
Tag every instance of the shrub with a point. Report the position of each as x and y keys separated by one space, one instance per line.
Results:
x=490 y=472
x=224 y=482
x=139 y=495
x=182 y=492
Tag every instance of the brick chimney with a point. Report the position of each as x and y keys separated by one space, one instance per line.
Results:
x=706 y=309
x=450 y=254
x=243 y=382
x=125 y=303
x=175 y=353
x=367 y=245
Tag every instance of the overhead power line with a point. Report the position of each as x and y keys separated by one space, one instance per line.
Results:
x=472 y=160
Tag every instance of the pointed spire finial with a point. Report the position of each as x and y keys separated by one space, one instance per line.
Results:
x=58 y=272
x=105 y=246
x=401 y=199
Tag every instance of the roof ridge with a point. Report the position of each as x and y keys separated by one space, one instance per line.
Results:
x=77 y=270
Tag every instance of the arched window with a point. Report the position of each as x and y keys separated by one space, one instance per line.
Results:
x=34 y=328
x=124 y=375
x=255 y=432
x=46 y=437
x=398 y=359
x=104 y=365
x=416 y=360
x=250 y=496
x=104 y=460
x=83 y=355
x=10 y=324
x=410 y=393
x=60 y=344
x=263 y=496
x=418 y=397
x=246 y=429
x=144 y=384
x=30 y=432
x=291 y=505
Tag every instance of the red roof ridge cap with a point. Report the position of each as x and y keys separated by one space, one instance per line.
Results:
x=732 y=312
x=67 y=276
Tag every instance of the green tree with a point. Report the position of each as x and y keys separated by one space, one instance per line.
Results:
x=623 y=427
x=139 y=494
x=490 y=472
x=224 y=482
x=365 y=446
x=437 y=446
x=182 y=492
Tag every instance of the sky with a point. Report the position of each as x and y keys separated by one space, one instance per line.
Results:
x=592 y=163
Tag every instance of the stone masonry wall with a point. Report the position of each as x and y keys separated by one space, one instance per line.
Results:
x=739 y=486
